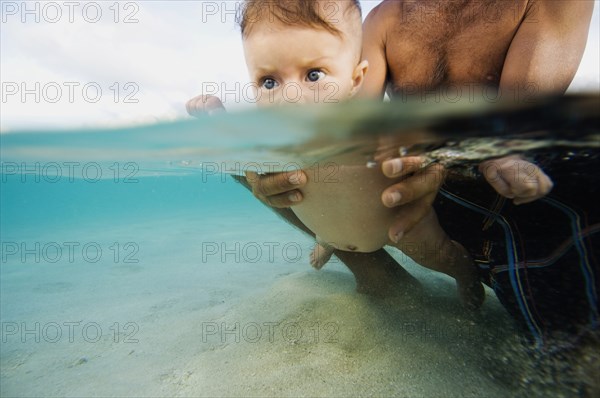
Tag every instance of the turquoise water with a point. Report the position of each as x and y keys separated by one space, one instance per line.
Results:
x=131 y=265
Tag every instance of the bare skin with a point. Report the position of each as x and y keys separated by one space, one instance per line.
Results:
x=523 y=49
x=431 y=50
x=511 y=51
x=424 y=49
x=376 y=274
x=346 y=211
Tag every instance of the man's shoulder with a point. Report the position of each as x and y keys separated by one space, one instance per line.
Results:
x=386 y=11
x=384 y=16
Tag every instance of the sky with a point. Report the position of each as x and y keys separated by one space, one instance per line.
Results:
x=107 y=63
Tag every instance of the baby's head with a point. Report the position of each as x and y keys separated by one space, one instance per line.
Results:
x=303 y=51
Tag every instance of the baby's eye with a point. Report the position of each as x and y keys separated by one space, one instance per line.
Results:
x=269 y=83
x=315 y=75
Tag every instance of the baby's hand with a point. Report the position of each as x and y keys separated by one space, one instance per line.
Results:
x=516 y=178
x=204 y=104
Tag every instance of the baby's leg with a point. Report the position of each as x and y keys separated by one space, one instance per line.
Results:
x=428 y=245
x=321 y=253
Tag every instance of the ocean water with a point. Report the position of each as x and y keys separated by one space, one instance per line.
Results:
x=133 y=265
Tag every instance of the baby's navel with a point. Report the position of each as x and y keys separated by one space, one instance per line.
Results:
x=352 y=248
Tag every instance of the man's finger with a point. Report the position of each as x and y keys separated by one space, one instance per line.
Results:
x=400 y=167
x=423 y=183
x=276 y=183
x=410 y=215
x=542 y=188
x=284 y=200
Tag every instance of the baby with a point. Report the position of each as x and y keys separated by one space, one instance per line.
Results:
x=311 y=51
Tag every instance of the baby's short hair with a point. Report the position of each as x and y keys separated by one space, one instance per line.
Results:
x=312 y=13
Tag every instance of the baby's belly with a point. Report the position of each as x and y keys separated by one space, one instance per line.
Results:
x=343 y=207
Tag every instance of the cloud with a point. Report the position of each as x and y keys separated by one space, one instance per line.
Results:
x=164 y=57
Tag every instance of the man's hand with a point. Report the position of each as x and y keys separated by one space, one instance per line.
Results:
x=204 y=105
x=414 y=195
x=279 y=190
x=516 y=178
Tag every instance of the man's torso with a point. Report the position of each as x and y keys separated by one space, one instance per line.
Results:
x=449 y=44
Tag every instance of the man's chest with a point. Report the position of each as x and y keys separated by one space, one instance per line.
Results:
x=443 y=47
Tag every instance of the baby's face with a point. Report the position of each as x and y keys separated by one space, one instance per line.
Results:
x=301 y=65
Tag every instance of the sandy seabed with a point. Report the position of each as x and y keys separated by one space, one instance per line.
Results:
x=188 y=321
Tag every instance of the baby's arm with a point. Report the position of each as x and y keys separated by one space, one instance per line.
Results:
x=516 y=178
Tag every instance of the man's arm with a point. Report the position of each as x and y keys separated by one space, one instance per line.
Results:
x=374 y=34
x=547 y=48
x=542 y=59
x=414 y=195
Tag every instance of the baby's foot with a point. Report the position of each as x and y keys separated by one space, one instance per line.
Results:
x=320 y=255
